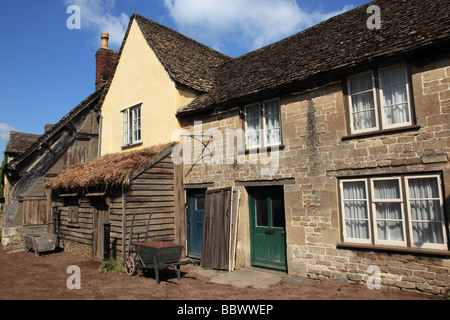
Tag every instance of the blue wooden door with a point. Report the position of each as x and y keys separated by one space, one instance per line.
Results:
x=195 y=212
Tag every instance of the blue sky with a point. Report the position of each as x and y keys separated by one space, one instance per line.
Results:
x=47 y=69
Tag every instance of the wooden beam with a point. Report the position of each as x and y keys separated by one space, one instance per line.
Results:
x=262 y=183
x=180 y=208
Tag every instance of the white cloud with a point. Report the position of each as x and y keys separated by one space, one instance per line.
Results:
x=98 y=16
x=5 y=129
x=253 y=23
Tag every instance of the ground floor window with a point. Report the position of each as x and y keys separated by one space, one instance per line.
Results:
x=406 y=211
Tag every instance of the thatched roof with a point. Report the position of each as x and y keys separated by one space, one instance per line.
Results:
x=112 y=170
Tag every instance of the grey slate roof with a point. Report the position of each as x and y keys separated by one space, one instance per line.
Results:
x=335 y=45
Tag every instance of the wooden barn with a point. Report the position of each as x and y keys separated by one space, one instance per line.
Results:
x=137 y=190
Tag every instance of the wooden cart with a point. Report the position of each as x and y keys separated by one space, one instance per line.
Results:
x=156 y=256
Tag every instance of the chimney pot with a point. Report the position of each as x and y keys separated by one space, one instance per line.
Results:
x=105 y=61
x=105 y=39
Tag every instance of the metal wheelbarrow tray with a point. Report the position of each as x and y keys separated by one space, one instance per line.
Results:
x=39 y=242
x=157 y=256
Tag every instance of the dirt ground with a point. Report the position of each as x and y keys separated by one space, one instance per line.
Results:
x=23 y=276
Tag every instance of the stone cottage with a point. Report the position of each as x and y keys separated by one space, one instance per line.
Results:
x=338 y=140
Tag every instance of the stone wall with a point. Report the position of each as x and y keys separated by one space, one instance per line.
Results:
x=317 y=151
x=12 y=240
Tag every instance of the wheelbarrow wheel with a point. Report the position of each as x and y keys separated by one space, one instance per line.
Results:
x=130 y=266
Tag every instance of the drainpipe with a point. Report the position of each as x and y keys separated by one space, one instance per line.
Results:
x=100 y=133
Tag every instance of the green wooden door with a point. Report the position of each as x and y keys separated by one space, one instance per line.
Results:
x=268 y=227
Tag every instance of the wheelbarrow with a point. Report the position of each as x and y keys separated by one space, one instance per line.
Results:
x=39 y=242
x=157 y=256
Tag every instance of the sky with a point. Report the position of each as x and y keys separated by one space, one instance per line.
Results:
x=47 y=52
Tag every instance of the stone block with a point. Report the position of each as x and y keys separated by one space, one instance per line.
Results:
x=10 y=232
x=435 y=158
x=6 y=242
x=17 y=240
x=445 y=95
x=434 y=75
x=295 y=235
x=425 y=287
x=330 y=236
x=405 y=285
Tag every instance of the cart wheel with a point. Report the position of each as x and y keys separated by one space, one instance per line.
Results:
x=130 y=266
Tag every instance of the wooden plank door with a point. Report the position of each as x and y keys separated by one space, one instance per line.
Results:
x=219 y=229
x=195 y=216
x=267 y=227
x=101 y=215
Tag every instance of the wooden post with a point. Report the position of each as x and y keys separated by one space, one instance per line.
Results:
x=106 y=240
x=180 y=208
x=124 y=224
x=55 y=218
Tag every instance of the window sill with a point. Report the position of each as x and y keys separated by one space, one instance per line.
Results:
x=380 y=132
x=258 y=149
x=434 y=252
x=131 y=145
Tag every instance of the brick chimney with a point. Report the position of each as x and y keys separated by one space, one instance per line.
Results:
x=105 y=61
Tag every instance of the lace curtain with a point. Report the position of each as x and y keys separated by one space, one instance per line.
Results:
x=425 y=209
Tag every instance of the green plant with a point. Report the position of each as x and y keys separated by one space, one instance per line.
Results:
x=111 y=266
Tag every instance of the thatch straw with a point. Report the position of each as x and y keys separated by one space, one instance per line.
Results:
x=112 y=170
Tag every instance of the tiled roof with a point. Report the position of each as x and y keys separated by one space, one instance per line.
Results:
x=187 y=61
x=335 y=45
x=19 y=142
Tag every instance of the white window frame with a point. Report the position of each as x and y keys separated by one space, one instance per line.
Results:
x=135 y=130
x=374 y=214
x=406 y=212
x=129 y=130
x=247 y=131
x=379 y=101
x=262 y=125
x=443 y=246
x=375 y=103
x=408 y=95
x=343 y=219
